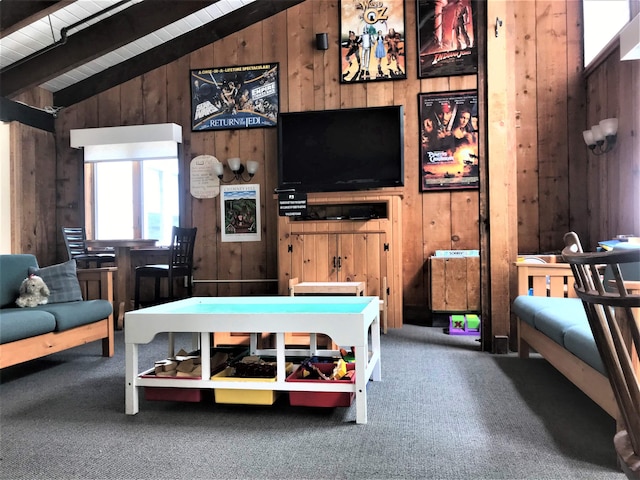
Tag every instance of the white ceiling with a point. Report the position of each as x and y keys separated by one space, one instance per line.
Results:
x=46 y=31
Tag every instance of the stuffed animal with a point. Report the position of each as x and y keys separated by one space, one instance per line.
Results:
x=33 y=292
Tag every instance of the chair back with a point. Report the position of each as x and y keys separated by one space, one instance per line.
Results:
x=181 y=250
x=75 y=241
x=614 y=318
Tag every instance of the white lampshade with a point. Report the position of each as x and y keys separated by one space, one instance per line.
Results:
x=588 y=137
x=609 y=126
x=218 y=169
x=252 y=167
x=598 y=134
x=234 y=163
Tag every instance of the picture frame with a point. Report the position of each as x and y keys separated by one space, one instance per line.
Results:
x=447 y=37
x=448 y=140
x=372 y=40
x=234 y=97
x=240 y=213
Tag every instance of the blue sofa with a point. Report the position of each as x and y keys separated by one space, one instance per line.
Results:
x=551 y=320
x=68 y=320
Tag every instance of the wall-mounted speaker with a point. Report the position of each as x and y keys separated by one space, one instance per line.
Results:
x=322 y=41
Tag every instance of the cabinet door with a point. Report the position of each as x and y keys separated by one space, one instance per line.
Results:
x=362 y=258
x=314 y=257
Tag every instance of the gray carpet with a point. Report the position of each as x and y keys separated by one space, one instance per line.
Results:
x=444 y=410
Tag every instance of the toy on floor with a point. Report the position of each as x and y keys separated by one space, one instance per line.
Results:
x=468 y=324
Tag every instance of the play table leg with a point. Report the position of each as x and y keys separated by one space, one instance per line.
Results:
x=375 y=347
x=131 y=368
x=361 y=382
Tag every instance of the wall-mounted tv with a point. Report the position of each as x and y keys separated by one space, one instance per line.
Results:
x=341 y=150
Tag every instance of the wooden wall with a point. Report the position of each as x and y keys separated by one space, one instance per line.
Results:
x=34 y=199
x=309 y=80
x=553 y=164
x=612 y=180
x=550 y=109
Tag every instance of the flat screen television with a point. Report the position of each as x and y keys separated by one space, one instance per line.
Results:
x=341 y=150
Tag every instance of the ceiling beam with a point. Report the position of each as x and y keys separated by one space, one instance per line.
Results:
x=15 y=14
x=94 y=41
x=171 y=50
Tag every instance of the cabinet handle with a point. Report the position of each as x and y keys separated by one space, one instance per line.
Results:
x=339 y=262
x=335 y=262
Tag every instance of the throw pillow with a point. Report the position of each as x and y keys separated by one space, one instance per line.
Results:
x=61 y=280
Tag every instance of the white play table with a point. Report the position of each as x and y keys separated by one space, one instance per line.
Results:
x=349 y=321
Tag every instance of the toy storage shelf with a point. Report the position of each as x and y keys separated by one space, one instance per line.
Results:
x=351 y=320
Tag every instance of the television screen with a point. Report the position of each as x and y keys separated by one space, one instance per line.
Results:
x=341 y=150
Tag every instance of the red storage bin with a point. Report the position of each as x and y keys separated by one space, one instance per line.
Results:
x=321 y=399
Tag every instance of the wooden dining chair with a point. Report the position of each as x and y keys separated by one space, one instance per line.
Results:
x=75 y=239
x=614 y=318
x=180 y=265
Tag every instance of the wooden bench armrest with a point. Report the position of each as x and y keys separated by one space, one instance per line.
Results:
x=546 y=279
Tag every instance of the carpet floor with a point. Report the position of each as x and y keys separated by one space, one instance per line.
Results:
x=444 y=410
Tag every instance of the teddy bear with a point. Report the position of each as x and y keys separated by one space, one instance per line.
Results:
x=33 y=292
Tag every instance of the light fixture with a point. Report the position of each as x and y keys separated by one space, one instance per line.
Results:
x=322 y=41
x=237 y=169
x=602 y=137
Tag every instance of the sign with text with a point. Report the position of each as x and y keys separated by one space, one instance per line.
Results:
x=292 y=204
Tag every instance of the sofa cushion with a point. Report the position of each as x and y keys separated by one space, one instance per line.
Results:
x=18 y=323
x=527 y=307
x=554 y=321
x=73 y=314
x=579 y=341
x=13 y=270
x=62 y=281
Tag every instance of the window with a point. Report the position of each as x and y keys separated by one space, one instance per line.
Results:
x=603 y=19
x=135 y=199
x=131 y=180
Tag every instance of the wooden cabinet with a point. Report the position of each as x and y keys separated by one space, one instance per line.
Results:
x=455 y=284
x=346 y=238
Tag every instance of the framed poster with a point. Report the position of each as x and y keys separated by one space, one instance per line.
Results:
x=240 y=213
x=226 y=98
x=447 y=37
x=372 y=40
x=448 y=140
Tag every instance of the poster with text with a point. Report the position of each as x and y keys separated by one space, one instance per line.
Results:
x=226 y=98
x=372 y=40
x=240 y=213
x=448 y=140
x=447 y=37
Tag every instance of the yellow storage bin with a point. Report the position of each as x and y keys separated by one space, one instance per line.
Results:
x=246 y=397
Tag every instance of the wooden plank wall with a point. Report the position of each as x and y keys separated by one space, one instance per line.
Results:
x=33 y=195
x=613 y=179
x=550 y=106
x=309 y=80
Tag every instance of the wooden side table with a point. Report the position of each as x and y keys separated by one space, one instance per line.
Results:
x=320 y=288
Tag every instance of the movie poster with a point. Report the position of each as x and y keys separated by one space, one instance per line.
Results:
x=447 y=37
x=448 y=140
x=226 y=98
x=240 y=213
x=372 y=40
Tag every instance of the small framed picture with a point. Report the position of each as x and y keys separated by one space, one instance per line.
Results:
x=240 y=213
x=447 y=37
x=448 y=140
x=372 y=40
x=226 y=98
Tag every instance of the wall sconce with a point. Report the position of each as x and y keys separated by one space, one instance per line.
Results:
x=237 y=169
x=602 y=138
x=322 y=41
